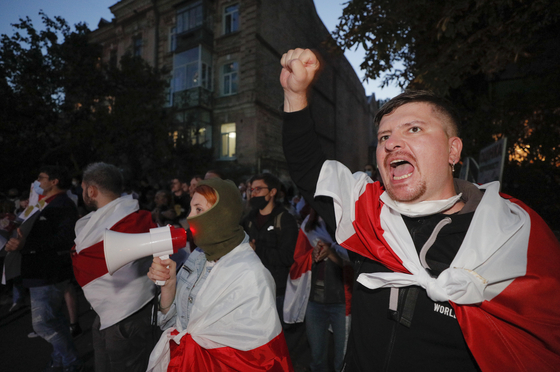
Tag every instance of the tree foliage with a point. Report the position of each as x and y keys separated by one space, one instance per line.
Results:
x=497 y=60
x=61 y=105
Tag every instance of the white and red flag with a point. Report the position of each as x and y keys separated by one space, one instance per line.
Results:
x=113 y=297
x=503 y=283
x=298 y=286
x=233 y=325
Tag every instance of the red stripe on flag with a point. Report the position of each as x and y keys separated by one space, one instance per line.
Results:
x=189 y=356
x=90 y=264
x=302 y=257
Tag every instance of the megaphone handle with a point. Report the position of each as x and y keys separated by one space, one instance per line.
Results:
x=162 y=282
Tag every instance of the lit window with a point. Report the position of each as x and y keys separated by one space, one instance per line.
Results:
x=189 y=17
x=229 y=78
x=137 y=45
x=228 y=140
x=231 y=19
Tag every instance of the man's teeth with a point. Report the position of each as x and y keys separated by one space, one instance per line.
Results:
x=402 y=177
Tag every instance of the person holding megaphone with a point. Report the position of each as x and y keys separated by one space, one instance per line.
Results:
x=218 y=311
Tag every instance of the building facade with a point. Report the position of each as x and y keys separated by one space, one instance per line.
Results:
x=223 y=62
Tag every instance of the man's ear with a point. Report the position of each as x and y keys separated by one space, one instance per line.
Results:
x=92 y=191
x=455 y=148
x=55 y=182
x=273 y=192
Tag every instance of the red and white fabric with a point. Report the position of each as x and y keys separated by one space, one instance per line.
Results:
x=503 y=282
x=113 y=297
x=298 y=286
x=233 y=325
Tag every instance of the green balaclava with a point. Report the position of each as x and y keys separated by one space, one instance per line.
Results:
x=217 y=231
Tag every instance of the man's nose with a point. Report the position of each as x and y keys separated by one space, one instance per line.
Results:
x=394 y=142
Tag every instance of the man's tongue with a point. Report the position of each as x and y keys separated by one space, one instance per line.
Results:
x=402 y=169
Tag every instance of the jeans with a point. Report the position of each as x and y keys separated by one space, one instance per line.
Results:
x=49 y=322
x=318 y=317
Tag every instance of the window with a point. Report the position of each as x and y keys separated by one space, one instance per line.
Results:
x=231 y=19
x=189 y=17
x=192 y=68
x=172 y=39
x=229 y=78
x=137 y=45
x=228 y=140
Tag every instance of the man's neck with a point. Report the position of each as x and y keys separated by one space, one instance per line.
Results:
x=103 y=200
x=455 y=208
x=52 y=192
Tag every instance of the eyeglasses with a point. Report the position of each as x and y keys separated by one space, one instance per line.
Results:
x=258 y=188
x=41 y=177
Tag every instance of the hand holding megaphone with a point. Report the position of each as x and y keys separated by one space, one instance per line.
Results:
x=121 y=248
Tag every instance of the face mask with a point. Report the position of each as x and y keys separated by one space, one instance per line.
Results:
x=37 y=188
x=258 y=202
x=368 y=173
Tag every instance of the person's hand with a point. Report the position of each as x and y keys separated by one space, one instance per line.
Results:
x=299 y=67
x=253 y=244
x=321 y=251
x=163 y=270
x=15 y=244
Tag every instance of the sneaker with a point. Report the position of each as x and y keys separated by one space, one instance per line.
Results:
x=32 y=335
x=75 y=329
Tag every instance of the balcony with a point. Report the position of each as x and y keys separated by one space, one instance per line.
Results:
x=192 y=98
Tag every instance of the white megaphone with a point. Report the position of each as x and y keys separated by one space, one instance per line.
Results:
x=122 y=248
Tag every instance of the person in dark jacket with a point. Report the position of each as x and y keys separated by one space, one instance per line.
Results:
x=45 y=240
x=272 y=231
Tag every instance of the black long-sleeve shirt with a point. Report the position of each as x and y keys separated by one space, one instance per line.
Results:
x=421 y=334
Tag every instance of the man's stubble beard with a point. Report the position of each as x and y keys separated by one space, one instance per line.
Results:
x=90 y=204
x=411 y=196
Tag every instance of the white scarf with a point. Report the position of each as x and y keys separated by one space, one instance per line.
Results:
x=420 y=209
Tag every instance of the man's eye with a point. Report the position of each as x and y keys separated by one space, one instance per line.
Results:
x=415 y=129
x=383 y=138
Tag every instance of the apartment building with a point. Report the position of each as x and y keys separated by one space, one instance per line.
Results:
x=223 y=62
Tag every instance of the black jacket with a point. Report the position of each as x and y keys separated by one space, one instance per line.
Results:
x=45 y=257
x=275 y=245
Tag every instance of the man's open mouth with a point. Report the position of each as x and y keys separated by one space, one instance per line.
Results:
x=401 y=169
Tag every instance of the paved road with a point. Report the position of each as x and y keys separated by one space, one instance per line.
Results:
x=18 y=353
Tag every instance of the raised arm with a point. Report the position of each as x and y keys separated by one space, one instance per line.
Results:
x=301 y=146
x=299 y=67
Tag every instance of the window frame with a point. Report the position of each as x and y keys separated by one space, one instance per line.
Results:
x=227 y=154
x=230 y=15
x=232 y=81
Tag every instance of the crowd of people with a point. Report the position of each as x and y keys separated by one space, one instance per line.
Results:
x=408 y=267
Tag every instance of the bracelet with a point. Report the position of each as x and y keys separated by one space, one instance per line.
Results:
x=164 y=308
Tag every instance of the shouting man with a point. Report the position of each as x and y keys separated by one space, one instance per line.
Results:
x=451 y=276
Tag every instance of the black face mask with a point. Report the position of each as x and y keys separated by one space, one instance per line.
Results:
x=258 y=202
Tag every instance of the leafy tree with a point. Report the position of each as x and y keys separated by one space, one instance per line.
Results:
x=497 y=60
x=61 y=105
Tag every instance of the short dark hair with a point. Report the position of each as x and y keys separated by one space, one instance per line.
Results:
x=440 y=104
x=167 y=195
x=106 y=177
x=272 y=182
x=57 y=172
